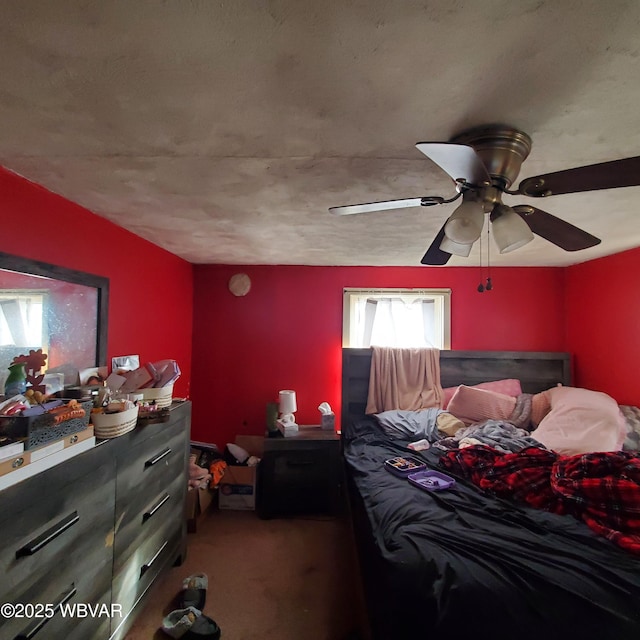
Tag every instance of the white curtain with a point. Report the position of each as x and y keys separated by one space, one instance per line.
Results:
x=20 y=322
x=392 y=322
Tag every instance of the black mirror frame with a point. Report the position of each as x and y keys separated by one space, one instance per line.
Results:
x=37 y=268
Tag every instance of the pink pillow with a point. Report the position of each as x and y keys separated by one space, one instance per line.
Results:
x=581 y=421
x=471 y=404
x=540 y=406
x=508 y=387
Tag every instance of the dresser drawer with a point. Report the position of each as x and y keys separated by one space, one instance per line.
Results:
x=298 y=469
x=164 y=510
x=57 y=534
x=63 y=515
x=138 y=572
x=147 y=467
x=74 y=624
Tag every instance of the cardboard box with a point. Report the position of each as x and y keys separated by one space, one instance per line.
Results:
x=198 y=501
x=237 y=489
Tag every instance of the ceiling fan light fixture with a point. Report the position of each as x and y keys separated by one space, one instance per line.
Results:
x=510 y=231
x=455 y=248
x=465 y=223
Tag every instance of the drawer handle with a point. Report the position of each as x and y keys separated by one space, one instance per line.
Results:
x=147 y=514
x=48 y=536
x=145 y=567
x=36 y=626
x=156 y=459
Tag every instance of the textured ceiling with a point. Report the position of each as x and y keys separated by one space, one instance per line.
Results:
x=223 y=131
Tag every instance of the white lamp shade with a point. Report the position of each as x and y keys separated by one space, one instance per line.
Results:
x=287 y=402
x=455 y=248
x=510 y=231
x=465 y=223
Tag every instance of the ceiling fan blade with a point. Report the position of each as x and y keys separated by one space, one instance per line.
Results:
x=605 y=175
x=386 y=205
x=559 y=232
x=460 y=161
x=435 y=255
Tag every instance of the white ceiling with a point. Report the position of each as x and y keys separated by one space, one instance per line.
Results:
x=223 y=131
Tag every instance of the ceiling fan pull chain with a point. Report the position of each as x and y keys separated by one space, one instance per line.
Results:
x=480 y=286
x=489 y=284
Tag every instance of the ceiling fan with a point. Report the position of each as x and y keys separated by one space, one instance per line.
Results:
x=483 y=163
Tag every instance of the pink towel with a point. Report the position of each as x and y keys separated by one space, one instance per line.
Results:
x=404 y=379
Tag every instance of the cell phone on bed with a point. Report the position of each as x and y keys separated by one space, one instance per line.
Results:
x=402 y=466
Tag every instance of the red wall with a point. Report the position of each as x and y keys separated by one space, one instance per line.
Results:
x=287 y=332
x=603 y=319
x=150 y=289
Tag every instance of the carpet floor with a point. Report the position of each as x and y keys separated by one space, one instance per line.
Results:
x=280 y=579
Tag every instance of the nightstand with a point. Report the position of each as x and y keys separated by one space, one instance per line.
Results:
x=300 y=474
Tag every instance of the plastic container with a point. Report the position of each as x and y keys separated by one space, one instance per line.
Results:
x=402 y=466
x=431 y=480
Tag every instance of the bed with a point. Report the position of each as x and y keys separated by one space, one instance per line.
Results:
x=464 y=563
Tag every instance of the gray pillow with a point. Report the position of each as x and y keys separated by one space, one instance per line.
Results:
x=410 y=425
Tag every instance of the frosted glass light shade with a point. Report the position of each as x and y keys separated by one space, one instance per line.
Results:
x=510 y=231
x=287 y=402
x=465 y=223
x=455 y=248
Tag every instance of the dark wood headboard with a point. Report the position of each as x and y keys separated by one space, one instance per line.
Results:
x=536 y=370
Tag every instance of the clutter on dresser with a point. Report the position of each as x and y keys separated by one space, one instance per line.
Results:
x=153 y=382
x=37 y=419
x=16 y=381
x=37 y=429
x=148 y=390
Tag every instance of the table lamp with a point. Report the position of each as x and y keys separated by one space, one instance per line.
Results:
x=287 y=407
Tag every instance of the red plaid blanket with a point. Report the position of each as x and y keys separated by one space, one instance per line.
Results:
x=602 y=489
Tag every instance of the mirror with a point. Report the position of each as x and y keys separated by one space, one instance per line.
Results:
x=59 y=310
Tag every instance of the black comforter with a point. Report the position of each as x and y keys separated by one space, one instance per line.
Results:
x=464 y=564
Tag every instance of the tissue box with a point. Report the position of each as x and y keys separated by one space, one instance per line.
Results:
x=328 y=421
x=287 y=429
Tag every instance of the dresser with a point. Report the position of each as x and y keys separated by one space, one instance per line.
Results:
x=97 y=530
x=300 y=474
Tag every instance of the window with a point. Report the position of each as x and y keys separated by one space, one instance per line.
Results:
x=21 y=318
x=397 y=318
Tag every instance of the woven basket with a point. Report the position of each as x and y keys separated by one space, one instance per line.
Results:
x=162 y=395
x=39 y=430
x=112 y=425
